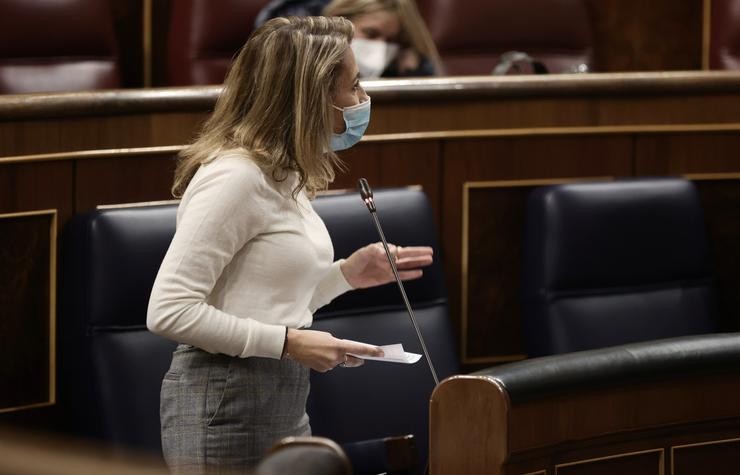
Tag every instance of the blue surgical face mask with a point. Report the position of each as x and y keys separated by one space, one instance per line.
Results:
x=356 y=119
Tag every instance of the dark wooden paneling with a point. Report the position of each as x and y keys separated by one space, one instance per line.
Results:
x=650 y=463
x=123 y=180
x=494 y=246
x=26 y=295
x=36 y=186
x=687 y=153
x=493 y=276
x=707 y=457
x=97 y=133
x=394 y=164
x=659 y=35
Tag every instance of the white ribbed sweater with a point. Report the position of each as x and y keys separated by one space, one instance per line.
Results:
x=246 y=261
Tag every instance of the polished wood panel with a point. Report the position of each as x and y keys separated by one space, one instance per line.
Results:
x=692 y=458
x=650 y=462
x=124 y=179
x=28 y=302
x=394 y=164
x=477 y=428
x=31 y=187
x=449 y=433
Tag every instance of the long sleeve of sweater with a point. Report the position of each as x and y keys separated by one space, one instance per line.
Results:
x=221 y=215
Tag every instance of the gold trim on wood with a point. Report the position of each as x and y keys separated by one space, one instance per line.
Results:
x=89 y=154
x=706 y=33
x=545 y=131
x=698 y=444
x=539 y=472
x=467 y=186
x=52 y=307
x=661 y=466
x=405 y=137
x=146 y=28
x=711 y=176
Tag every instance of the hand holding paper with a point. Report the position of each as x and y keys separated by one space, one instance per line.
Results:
x=392 y=354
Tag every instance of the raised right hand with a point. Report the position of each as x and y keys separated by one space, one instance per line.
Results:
x=321 y=352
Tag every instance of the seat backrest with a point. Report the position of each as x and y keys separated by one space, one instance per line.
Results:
x=57 y=46
x=204 y=36
x=382 y=399
x=724 y=43
x=615 y=262
x=305 y=456
x=472 y=35
x=111 y=366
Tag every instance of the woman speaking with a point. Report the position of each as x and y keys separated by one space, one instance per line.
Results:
x=251 y=260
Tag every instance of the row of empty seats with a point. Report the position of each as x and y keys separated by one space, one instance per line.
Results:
x=81 y=48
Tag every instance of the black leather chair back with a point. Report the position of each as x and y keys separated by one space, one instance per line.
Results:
x=111 y=366
x=382 y=399
x=615 y=262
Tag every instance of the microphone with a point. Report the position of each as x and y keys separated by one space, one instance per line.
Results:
x=367 y=196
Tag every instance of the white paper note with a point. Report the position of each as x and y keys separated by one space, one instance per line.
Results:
x=392 y=354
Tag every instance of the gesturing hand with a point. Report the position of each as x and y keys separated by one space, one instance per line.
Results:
x=368 y=266
x=321 y=352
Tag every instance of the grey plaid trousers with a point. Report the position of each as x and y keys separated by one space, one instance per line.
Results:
x=220 y=414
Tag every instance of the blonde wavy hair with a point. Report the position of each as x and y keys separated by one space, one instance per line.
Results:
x=276 y=103
x=414 y=32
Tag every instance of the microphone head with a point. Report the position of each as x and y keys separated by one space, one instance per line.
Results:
x=364 y=187
x=366 y=193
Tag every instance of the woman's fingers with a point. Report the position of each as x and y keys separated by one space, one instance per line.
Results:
x=414 y=251
x=413 y=256
x=322 y=352
x=362 y=349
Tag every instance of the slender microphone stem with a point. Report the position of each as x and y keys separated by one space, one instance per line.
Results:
x=392 y=262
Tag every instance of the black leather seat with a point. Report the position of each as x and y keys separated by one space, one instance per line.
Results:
x=382 y=399
x=615 y=262
x=619 y=365
x=112 y=366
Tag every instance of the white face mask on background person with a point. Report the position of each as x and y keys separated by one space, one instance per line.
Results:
x=373 y=56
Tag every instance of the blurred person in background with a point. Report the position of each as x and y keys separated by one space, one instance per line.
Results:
x=391 y=39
